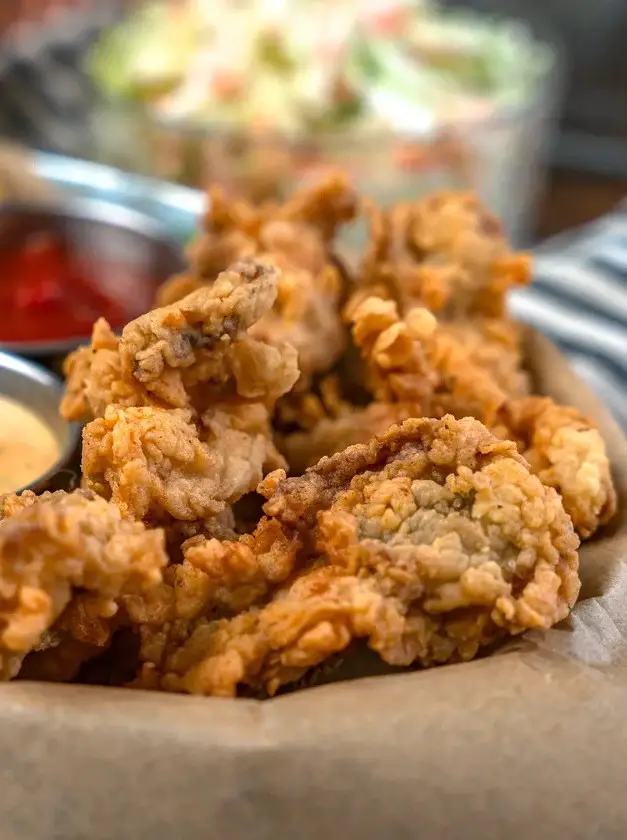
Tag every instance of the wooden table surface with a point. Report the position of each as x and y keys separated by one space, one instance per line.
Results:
x=571 y=199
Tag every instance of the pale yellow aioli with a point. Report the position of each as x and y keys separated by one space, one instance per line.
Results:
x=28 y=446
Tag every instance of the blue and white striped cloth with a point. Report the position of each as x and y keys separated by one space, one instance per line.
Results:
x=579 y=299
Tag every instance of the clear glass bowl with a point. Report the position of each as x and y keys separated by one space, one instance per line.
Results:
x=502 y=157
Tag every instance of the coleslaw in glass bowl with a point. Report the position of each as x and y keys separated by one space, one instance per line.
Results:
x=262 y=95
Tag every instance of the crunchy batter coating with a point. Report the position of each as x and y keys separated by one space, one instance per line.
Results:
x=94 y=378
x=494 y=345
x=238 y=574
x=414 y=367
x=318 y=615
x=215 y=578
x=295 y=237
x=188 y=354
x=433 y=540
x=202 y=341
x=567 y=452
x=412 y=359
x=418 y=369
x=13 y=503
x=445 y=252
x=61 y=544
x=156 y=463
x=335 y=433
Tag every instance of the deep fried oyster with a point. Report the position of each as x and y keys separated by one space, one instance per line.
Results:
x=417 y=369
x=157 y=463
x=446 y=252
x=433 y=541
x=222 y=526
x=350 y=426
x=94 y=379
x=11 y=504
x=318 y=615
x=413 y=367
x=295 y=237
x=215 y=578
x=233 y=229
x=567 y=452
x=188 y=354
x=202 y=341
x=415 y=360
x=494 y=345
x=64 y=543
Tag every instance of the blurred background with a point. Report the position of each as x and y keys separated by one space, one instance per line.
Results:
x=524 y=102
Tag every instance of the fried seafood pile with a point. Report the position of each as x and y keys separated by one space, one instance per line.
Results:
x=284 y=457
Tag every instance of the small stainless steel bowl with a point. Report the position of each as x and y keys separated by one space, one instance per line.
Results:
x=98 y=231
x=38 y=389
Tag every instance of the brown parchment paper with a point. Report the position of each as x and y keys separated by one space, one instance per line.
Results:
x=528 y=743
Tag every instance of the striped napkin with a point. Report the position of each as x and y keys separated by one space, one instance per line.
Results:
x=579 y=300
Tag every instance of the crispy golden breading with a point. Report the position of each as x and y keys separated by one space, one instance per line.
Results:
x=13 y=503
x=566 y=451
x=412 y=359
x=80 y=634
x=222 y=526
x=319 y=614
x=413 y=367
x=494 y=345
x=324 y=206
x=397 y=352
x=156 y=463
x=216 y=578
x=232 y=227
x=201 y=343
x=434 y=540
x=333 y=434
x=94 y=377
x=229 y=230
x=188 y=354
x=445 y=252
x=238 y=574
x=63 y=543
x=296 y=238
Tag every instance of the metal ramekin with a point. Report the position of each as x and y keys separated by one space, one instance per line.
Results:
x=38 y=389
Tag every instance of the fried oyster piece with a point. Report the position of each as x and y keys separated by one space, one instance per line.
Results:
x=494 y=345
x=65 y=545
x=186 y=355
x=296 y=237
x=446 y=252
x=413 y=367
x=215 y=578
x=432 y=541
x=566 y=451
x=160 y=464
x=93 y=377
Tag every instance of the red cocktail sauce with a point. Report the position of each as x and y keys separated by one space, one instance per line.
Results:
x=50 y=294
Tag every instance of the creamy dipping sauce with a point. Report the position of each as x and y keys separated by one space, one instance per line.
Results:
x=28 y=446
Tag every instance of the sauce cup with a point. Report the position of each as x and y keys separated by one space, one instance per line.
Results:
x=64 y=266
x=38 y=390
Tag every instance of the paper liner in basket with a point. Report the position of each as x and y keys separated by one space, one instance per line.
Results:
x=528 y=742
